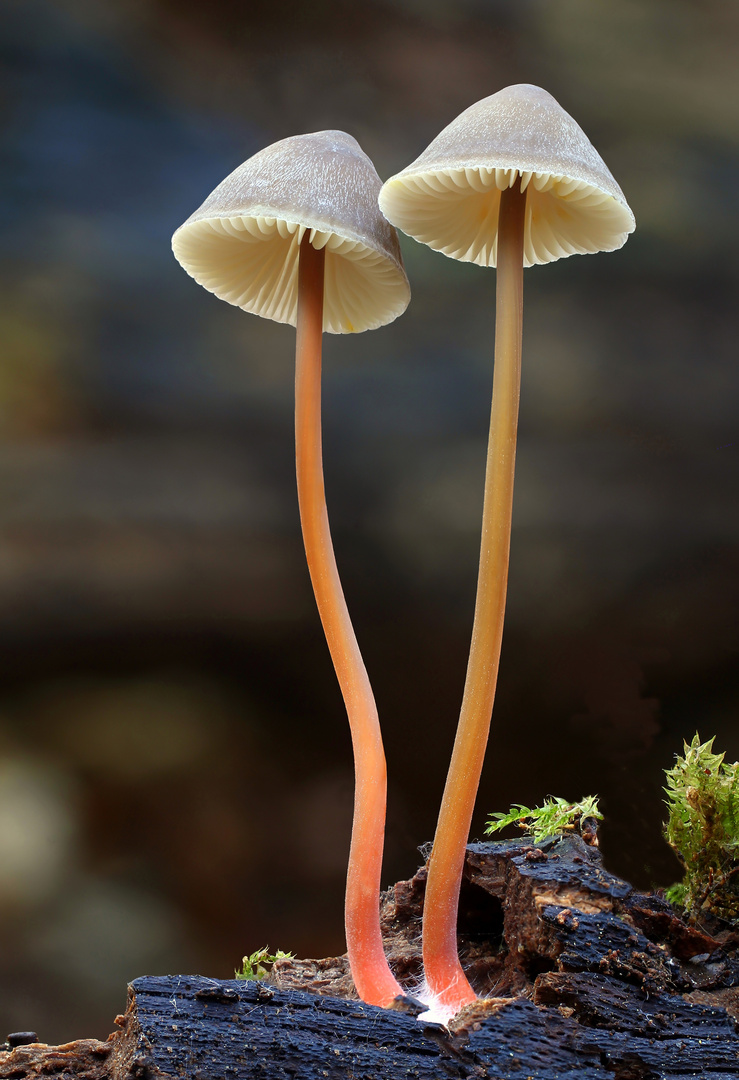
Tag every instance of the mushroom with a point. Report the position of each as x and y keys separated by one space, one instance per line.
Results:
x=511 y=182
x=295 y=234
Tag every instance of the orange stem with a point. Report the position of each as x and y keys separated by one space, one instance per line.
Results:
x=444 y=975
x=373 y=979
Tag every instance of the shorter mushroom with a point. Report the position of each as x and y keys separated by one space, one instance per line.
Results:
x=511 y=182
x=295 y=235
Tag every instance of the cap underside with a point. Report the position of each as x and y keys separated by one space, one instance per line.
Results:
x=252 y=262
x=455 y=211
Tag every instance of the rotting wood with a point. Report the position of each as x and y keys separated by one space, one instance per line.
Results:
x=85 y=1059
x=585 y=979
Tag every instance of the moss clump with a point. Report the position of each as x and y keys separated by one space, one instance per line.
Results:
x=554 y=817
x=703 y=830
x=259 y=964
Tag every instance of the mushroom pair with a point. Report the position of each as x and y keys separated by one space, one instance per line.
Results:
x=295 y=234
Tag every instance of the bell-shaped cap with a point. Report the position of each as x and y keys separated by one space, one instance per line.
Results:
x=244 y=241
x=448 y=198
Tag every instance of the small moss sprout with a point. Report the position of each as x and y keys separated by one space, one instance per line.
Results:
x=703 y=830
x=556 y=816
x=260 y=963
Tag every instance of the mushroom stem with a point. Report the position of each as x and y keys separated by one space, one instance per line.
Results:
x=373 y=979
x=444 y=975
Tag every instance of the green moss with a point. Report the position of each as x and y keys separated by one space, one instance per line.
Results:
x=554 y=817
x=259 y=964
x=703 y=830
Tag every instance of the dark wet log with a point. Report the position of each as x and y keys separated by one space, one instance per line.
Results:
x=579 y=1027
x=583 y=979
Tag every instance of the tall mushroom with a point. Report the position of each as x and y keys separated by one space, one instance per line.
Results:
x=295 y=234
x=511 y=182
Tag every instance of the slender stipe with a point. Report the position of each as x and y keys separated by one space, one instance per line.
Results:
x=374 y=981
x=444 y=975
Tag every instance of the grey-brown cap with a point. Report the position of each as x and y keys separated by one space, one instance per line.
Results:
x=448 y=197
x=243 y=242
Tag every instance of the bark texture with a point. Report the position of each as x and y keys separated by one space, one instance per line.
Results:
x=583 y=978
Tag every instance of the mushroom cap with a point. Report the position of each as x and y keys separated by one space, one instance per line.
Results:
x=448 y=197
x=243 y=242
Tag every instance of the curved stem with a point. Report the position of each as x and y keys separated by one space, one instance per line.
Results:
x=444 y=975
x=373 y=979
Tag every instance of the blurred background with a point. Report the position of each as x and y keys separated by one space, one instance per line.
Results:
x=175 y=767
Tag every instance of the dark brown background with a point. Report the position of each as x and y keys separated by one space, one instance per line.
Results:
x=175 y=773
